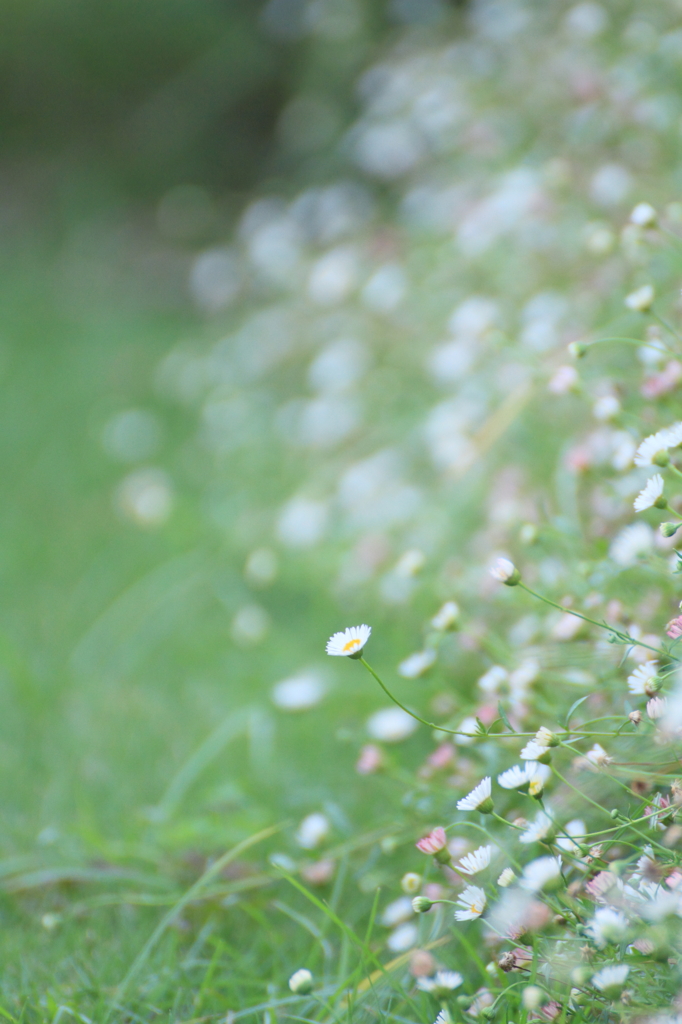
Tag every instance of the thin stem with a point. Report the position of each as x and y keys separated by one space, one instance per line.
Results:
x=625 y=637
x=629 y=341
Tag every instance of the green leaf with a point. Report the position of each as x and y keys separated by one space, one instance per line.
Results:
x=576 y=704
x=503 y=716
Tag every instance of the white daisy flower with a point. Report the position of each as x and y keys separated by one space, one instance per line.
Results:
x=476 y=861
x=640 y=681
x=350 y=642
x=538 y=829
x=607 y=925
x=417 y=664
x=446 y=617
x=545 y=737
x=442 y=983
x=661 y=441
x=540 y=873
x=301 y=982
x=610 y=978
x=656 y=708
x=598 y=756
x=505 y=572
x=506 y=878
x=644 y=215
x=533 y=751
x=516 y=777
x=648 y=497
x=473 y=901
x=478 y=799
x=641 y=299
x=631 y=542
x=576 y=827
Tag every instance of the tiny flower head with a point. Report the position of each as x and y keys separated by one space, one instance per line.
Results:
x=515 y=778
x=644 y=680
x=641 y=299
x=472 y=900
x=652 y=495
x=610 y=980
x=674 y=628
x=656 y=707
x=442 y=983
x=538 y=830
x=435 y=842
x=534 y=751
x=479 y=799
x=643 y=216
x=421 y=904
x=301 y=982
x=607 y=925
x=597 y=756
x=416 y=664
x=476 y=861
x=411 y=882
x=350 y=642
x=546 y=738
x=506 y=878
x=543 y=873
x=653 y=451
x=446 y=617
x=506 y=572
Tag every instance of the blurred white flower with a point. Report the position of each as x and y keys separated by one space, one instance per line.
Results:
x=607 y=925
x=215 y=279
x=540 y=872
x=146 y=497
x=338 y=366
x=538 y=829
x=441 y=984
x=417 y=664
x=313 y=830
x=446 y=617
x=658 y=443
x=391 y=725
x=644 y=215
x=632 y=541
x=641 y=299
x=300 y=692
x=610 y=978
x=333 y=277
x=404 y=937
x=491 y=681
x=506 y=878
x=397 y=912
x=301 y=982
x=640 y=681
x=302 y=522
x=385 y=289
x=250 y=624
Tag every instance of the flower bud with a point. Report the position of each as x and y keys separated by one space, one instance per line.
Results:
x=301 y=982
x=669 y=529
x=421 y=904
x=644 y=215
x=506 y=572
x=661 y=458
x=635 y=717
x=577 y=349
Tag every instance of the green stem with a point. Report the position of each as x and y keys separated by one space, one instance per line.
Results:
x=625 y=637
x=630 y=341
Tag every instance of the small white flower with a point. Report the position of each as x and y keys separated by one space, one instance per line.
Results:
x=350 y=642
x=639 y=681
x=506 y=878
x=477 y=797
x=505 y=571
x=648 y=497
x=417 y=664
x=538 y=829
x=515 y=778
x=390 y=725
x=476 y=861
x=572 y=828
x=598 y=756
x=540 y=873
x=545 y=737
x=644 y=215
x=313 y=830
x=301 y=982
x=610 y=977
x=411 y=883
x=446 y=617
x=632 y=541
x=533 y=751
x=473 y=901
x=442 y=983
x=607 y=925
x=491 y=680
x=403 y=937
x=641 y=299
x=656 y=708
x=669 y=437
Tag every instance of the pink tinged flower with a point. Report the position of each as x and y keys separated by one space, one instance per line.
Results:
x=662 y=383
x=370 y=760
x=656 y=707
x=565 y=379
x=472 y=900
x=434 y=842
x=674 y=628
x=442 y=756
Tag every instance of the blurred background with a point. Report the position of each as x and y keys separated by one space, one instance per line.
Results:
x=282 y=287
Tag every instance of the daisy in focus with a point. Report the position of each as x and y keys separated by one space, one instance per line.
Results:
x=350 y=642
x=473 y=901
x=479 y=799
x=477 y=861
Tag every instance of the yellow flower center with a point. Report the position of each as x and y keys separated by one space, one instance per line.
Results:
x=351 y=645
